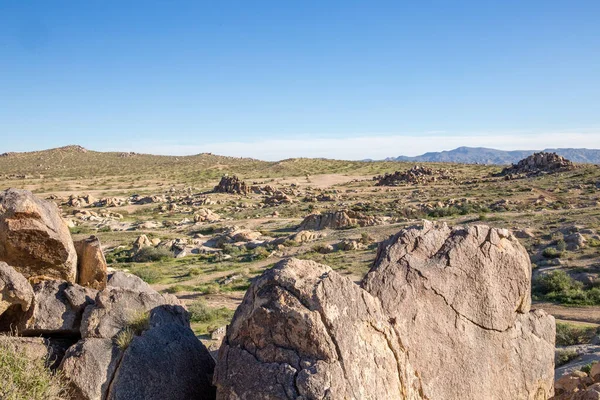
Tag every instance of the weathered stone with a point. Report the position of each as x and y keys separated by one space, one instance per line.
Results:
x=56 y=309
x=15 y=290
x=126 y=280
x=305 y=332
x=89 y=367
x=91 y=263
x=116 y=308
x=34 y=239
x=460 y=300
x=167 y=362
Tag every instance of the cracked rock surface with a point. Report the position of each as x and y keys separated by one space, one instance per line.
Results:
x=305 y=332
x=460 y=299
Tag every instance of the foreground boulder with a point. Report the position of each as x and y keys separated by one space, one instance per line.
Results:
x=34 y=239
x=15 y=291
x=305 y=332
x=179 y=365
x=460 y=301
x=163 y=360
x=91 y=263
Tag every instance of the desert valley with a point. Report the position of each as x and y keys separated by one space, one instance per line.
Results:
x=351 y=279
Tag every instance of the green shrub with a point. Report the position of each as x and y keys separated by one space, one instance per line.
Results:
x=22 y=378
x=559 y=287
x=593 y=243
x=568 y=334
x=151 y=254
x=551 y=252
x=148 y=274
x=201 y=312
x=562 y=357
x=587 y=368
x=561 y=245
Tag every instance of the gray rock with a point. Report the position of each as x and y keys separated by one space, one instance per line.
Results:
x=167 y=362
x=89 y=366
x=15 y=290
x=460 y=300
x=126 y=280
x=56 y=309
x=116 y=308
x=305 y=332
x=34 y=239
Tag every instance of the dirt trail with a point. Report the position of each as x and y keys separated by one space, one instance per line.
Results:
x=581 y=314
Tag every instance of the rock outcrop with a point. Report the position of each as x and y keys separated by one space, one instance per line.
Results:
x=34 y=239
x=539 y=163
x=303 y=331
x=338 y=219
x=232 y=185
x=91 y=263
x=460 y=300
x=415 y=175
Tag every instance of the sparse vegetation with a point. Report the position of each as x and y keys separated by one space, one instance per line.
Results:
x=23 y=378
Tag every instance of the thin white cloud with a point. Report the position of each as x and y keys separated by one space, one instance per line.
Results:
x=373 y=147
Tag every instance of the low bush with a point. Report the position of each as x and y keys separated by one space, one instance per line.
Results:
x=562 y=357
x=148 y=274
x=559 y=287
x=22 y=378
x=151 y=254
x=201 y=312
x=551 y=252
x=568 y=334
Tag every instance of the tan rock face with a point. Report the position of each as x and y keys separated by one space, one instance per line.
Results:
x=303 y=331
x=34 y=239
x=460 y=299
x=91 y=263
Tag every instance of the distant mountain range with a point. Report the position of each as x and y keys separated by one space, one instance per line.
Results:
x=482 y=155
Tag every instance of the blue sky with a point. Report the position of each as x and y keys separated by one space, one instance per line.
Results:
x=275 y=79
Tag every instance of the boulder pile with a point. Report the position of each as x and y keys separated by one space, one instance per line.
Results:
x=232 y=185
x=338 y=220
x=537 y=164
x=111 y=337
x=415 y=175
x=579 y=385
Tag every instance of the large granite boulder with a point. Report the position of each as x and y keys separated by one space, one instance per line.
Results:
x=91 y=263
x=460 y=300
x=15 y=290
x=305 y=332
x=34 y=239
